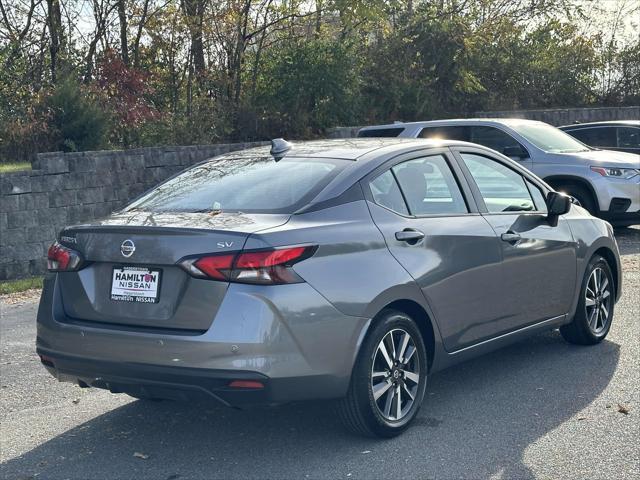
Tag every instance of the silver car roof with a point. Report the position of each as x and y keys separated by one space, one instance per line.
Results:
x=345 y=149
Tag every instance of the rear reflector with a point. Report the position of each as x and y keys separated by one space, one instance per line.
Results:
x=61 y=258
x=266 y=267
x=246 y=384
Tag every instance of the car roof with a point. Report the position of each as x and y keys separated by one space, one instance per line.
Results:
x=609 y=123
x=344 y=149
x=456 y=121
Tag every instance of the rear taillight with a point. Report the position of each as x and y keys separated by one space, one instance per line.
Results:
x=62 y=259
x=265 y=267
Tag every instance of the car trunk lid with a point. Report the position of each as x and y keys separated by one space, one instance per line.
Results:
x=136 y=246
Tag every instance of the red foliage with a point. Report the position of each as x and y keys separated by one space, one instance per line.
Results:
x=125 y=90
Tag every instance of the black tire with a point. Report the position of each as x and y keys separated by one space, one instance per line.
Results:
x=583 y=196
x=581 y=330
x=359 y=410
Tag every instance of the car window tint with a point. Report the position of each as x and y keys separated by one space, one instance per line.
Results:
x=385 y=192
x=251 y=185
x=502 y=189
x=446 y=133
x=596 y=136
x=538 y=197
x=494 y=138
x=628 y=137
x=381 y=132
x=429 y=186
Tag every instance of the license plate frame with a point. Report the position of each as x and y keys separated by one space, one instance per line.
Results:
x=136 y=287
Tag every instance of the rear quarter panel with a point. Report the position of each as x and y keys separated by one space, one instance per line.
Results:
x=352 y=268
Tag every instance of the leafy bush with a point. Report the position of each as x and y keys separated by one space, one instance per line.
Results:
x=75 y=120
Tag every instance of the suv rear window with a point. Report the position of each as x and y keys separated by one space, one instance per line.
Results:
x=250 y=185
x=380 y=132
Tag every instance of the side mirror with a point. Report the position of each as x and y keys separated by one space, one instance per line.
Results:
x=558 y=204
x=515 y=152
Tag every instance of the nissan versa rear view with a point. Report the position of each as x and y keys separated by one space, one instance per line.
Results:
x=345 y=269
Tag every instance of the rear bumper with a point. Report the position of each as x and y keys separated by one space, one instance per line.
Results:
x=288 y=337
x=177 y=383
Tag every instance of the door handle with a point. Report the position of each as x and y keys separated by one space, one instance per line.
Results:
x=511 y=237
x=410 y=236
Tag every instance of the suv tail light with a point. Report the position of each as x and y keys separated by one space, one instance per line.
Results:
x=264 y=267
x=62 y=259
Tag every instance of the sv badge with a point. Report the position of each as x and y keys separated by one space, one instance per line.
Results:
x=225 y=244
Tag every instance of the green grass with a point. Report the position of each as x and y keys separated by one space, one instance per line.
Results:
x=15 y=286
x=14 y=167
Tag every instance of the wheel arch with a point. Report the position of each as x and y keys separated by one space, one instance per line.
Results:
x=558 y=180
x=610 y=258
x=414 y=310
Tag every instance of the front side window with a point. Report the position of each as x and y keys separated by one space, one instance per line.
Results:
x=429 y=186
x=548 y=138
x=538 y=197
x=250 y=185
x=502 y=189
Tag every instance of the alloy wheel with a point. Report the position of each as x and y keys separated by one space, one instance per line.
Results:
x=598 y=301
x=395 y=374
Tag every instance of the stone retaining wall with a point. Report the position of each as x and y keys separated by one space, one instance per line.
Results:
x=69 y=188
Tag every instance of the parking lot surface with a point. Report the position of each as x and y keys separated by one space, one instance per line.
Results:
x=538 y=409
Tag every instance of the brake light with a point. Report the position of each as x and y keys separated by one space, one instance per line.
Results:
x=62 y=259
x=217 y=267
x=266 y=267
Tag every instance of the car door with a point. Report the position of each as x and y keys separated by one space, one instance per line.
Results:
x=424 y=208
x=539 y=257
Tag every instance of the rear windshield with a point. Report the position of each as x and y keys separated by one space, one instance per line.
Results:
x=381 y=132
x=252 y=185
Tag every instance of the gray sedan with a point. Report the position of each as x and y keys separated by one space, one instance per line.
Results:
x=345 y=270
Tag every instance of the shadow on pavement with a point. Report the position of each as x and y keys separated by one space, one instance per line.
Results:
x=477 y=420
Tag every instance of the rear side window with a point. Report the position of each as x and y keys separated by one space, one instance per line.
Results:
x=381 y=132
x=502 y=189
x=429 y=186
x=495 y=139
x=385 y=192
x=446 y=133
x=596 y=136
x=628 y=137
x=251 y=185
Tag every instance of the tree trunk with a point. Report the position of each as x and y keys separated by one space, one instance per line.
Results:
x=136 y=43
x=194 y=11
x=124 y=44
x=54 y=21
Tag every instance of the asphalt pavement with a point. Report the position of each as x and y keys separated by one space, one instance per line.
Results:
x=538 y=409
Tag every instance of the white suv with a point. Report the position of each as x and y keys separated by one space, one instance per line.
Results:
x=605 y=182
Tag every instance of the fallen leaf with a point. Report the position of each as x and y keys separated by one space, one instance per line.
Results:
x=623 y=409
x=582 y=418
x=75 y=401
x=140 y=455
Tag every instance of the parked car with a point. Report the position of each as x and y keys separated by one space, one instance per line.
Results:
x=623 y=135
x=606 y=183
x=346 y=269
